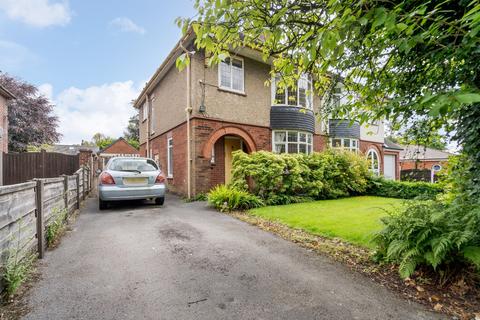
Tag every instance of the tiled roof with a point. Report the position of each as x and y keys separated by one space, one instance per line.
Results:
x=389 y=144
x=416 y=152
x=72 y=148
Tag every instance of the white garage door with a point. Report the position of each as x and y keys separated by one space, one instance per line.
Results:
x=389 y=166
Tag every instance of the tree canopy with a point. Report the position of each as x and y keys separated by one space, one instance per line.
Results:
x=406 y=61
x=31 y=121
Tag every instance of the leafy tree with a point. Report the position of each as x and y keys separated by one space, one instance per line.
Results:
x=406 y=61
x=31 y=121
x=422 y=135
x=131 y=133
x=102 y=141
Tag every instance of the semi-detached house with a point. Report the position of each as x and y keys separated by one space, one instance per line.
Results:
x=192 y=120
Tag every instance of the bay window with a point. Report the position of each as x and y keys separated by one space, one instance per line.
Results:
x=231 y=75
x=301 y=95
x=292 y=142
x=344 y=144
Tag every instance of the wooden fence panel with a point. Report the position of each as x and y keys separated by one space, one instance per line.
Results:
x=54 y=202
x=22 y=167
x=17 y=218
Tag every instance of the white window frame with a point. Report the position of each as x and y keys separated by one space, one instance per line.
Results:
x=308 y=94
x=170 y=156
x=222 y=65
x=308 y=145
x=144 y=111
x=372 y=162
x=342 y=147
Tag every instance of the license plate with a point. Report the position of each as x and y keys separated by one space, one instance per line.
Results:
x=135 y=181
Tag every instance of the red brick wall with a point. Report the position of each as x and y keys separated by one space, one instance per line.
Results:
x=207 y=175
x=320 y=143
x=158 y=145
x=84 y=157
x=420 y=164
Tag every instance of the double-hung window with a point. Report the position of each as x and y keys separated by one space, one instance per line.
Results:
x=301 y=95
x=292 y=142
x=170 y=158
x=231 y=75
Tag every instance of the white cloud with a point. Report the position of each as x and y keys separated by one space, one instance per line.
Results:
x=126 y=25
x=37 y=13
x=14 y=55
x=84 y=112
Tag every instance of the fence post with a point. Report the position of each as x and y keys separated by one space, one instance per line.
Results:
x=44 y=162
x=40 y=222
x=83 y=183
x=77 y=177
x=65 y=191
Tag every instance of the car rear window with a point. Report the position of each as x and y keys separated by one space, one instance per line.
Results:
x=133 y=165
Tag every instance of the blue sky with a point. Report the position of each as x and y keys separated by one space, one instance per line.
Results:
x=89 y=57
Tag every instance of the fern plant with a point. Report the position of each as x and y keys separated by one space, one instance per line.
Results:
x=430 y=233
x=225 y=198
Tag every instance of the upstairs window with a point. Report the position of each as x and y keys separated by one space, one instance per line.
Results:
x=301 y=95
x=292 y=142
x=231 y=74
x=344 y=144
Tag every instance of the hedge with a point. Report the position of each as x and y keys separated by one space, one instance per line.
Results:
x=403 y=189
x=287 y=178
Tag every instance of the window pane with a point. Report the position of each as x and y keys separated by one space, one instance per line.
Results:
x=309 y=149
x=292 y=137
x=309 y=138
x=225 y=74
x=279 y=93
x=292 y=148
x=303 y=137
x=302 y=148
x=279 y=148
x=292 y=96
x=336 y=143
x=280 y=136
x=346 y=143
x=237 y=75
x=302 y=92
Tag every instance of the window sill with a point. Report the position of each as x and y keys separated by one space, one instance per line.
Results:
x=170 y=177
x=240 y=93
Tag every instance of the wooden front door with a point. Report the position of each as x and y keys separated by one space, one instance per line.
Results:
x=231 y=144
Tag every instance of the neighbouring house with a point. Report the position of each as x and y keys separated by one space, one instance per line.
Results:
x=192 y=120
x=5 y=95
x=422 y=163
x=118 y=148
x=86 y=154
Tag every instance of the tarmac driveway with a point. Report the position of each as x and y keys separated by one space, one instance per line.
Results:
x=185 y=261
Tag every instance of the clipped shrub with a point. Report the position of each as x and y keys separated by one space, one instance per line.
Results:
x=403 y=189
x=430 y=233
x=290 y=178
x=228 y=198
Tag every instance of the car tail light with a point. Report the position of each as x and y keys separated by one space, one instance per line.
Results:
x=160 y=179
x=106 y=178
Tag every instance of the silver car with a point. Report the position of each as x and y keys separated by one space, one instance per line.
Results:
x=128 y=178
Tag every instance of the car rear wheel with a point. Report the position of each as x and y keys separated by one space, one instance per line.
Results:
x=102 y=205
x=160 y=201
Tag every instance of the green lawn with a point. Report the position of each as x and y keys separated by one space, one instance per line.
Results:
x=353 y=219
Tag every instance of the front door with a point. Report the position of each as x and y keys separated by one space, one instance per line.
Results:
x=231 y=144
